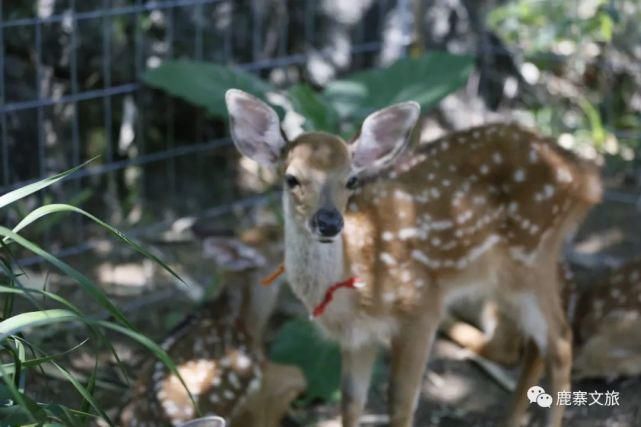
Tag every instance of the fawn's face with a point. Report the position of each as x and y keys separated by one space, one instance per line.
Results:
x=320 y=170
x=318 y=181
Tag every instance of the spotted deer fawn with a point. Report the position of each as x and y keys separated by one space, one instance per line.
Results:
x=218 y=352
x=481 y=211
x=607 y=324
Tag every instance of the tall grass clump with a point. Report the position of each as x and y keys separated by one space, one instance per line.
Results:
x=25 y=348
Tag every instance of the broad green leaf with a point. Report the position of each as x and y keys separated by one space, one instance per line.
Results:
x=87 y=284
x=30 y=319
x=318 y=112
x=203 y=83
x=59 y=208
x=299 y=343
x=426 y=80
x=22 y=192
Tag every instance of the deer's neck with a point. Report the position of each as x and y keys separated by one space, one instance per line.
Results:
x=311 y=266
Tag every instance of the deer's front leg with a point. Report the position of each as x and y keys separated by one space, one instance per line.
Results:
x=409 y=354
x=355 y=378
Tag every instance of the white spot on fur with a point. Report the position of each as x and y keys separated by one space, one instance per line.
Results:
x=408 y=233
x=243 y=362
x=441 y=225
x=519 y=175
x=563 y=175
x=519 y=254
x=388 y=259
x=424 y=259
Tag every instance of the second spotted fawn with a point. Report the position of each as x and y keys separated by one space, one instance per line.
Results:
x=607 y=324
x=218 y=350
x=481 y=211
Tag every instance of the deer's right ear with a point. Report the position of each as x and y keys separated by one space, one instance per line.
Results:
x=255 y=127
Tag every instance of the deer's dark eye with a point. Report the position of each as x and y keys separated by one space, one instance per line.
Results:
x=352 y=182
x=291 y=181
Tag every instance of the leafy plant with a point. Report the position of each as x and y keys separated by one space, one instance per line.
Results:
x=204 y=84
x=580 y=64
x=300 y=343
x=342 y=105
x=426 y=80
x=22 y=333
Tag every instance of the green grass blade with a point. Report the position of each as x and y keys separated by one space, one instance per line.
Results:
x=60 y=207
x=155 y=349
x=91 y=386
x=84 y=393
x=18 y=397
x=30 y=319
x=24 y=292
x=22 y=192
x=101 y=338
x=80 y=278
x=37 y=361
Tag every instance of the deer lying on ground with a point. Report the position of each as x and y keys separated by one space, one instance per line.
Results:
x=218 y=351
x=605 y=316
x=607 y=325
x=481 y=211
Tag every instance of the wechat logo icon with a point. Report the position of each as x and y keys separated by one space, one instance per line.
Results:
x=537 y=394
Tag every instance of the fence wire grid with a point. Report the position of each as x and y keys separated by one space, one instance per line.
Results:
x=52 y=85
x=71 y=70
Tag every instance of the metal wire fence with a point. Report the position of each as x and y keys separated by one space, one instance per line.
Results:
x=70 y=74
x=70 y=88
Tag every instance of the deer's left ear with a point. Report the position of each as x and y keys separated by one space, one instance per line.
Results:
x=384 y=135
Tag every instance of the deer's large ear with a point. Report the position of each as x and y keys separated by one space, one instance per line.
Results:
x=255 y=127
x=384 y=134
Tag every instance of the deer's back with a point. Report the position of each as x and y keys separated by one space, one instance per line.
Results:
x=497 y=188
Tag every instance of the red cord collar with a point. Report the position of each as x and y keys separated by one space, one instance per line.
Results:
x=350 y=283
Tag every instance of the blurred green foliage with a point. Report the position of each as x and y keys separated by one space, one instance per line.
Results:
x=581 y=60
x=300 y=343
x=340 y=106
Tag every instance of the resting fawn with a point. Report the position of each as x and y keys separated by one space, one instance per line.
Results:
x=481 y=211
x=218 y=350
x=607 y=324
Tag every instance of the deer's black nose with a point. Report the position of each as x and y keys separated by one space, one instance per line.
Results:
x=328 y=222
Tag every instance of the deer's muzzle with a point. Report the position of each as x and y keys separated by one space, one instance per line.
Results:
x=327 y=222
